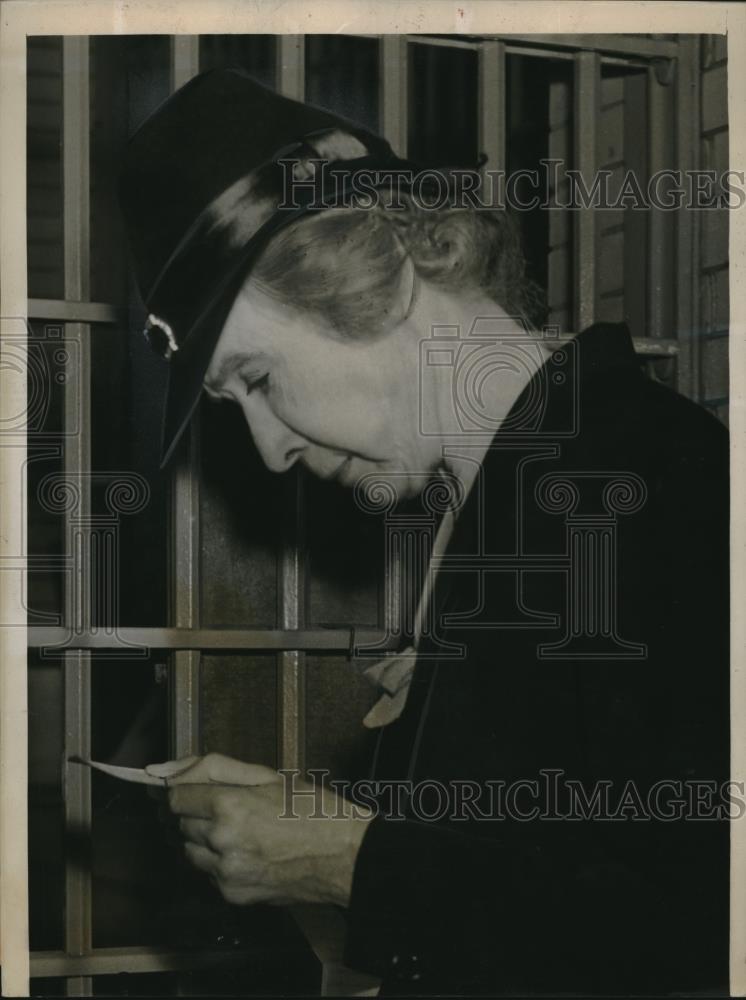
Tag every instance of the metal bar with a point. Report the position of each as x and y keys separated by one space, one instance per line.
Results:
x=256 y=640
x=291 y=709
x=14 y=400
x=393 y=90
x=636 y=264
x=75 y=312
x=184 y=59
x=111 y=961
x=687 y=228
x=77 y=461
x=393 y=113
x=511 y=49
x=586 y=95
x=291 y=81
x=185 y=594
x=185 y=519
x=473 y=44
x=639 y=48
x=613 y=44
x=291 y=66
x=658 y=220
x=492 y=108
x=565 y=55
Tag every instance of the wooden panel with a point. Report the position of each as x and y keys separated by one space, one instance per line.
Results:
x=44 y=139
x=611 y=308
x=714 y=50
x=238 y=707
x=611 y=134
x=715 y=367
x=338 y=697
x=714 y=237
x=342 y=75
x=715 y=295
x=714 y=98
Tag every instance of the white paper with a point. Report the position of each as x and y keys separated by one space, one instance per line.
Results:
x=135 y=774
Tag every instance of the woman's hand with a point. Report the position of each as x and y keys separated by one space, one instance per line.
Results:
x=257 y=839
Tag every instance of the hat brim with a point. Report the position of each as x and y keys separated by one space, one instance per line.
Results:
x=188 y=365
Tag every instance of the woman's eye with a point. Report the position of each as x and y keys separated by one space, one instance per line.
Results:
x=257 y=383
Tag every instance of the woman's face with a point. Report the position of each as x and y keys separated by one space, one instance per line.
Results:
x=344 y=408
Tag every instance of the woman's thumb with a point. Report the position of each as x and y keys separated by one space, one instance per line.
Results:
x=170 y=768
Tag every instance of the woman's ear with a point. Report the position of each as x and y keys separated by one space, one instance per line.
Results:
x=406 y=291
x=400 y=302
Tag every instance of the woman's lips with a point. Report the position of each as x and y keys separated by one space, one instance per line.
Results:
x=334 y=473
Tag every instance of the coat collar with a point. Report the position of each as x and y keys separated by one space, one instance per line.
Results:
x=596 y=352
x=549 y=407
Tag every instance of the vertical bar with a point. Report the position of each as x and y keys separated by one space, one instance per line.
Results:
x=14 y=942
x=736 y=41
x=291 y=66
x=492 y=103
x=291 y=592
x=586 y=94
x=393 y=104
x=184 y=59
x=656 y=223
x=637 y=224
x=393 y=90
x=77 y=462
x=657 y=321
x=185 y=518
x=687 y=227
x=185 y=596
x=291 y=708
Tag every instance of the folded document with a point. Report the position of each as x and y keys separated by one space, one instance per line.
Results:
x=135 y=774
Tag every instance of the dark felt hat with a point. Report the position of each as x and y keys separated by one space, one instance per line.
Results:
x=212 y=149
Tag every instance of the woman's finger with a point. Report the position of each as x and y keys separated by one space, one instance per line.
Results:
x=196 y=801
x=202 y=858
x=219 y=769
x=197 y=831
x=170 y=768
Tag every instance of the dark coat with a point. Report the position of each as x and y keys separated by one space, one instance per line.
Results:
x=590 y=906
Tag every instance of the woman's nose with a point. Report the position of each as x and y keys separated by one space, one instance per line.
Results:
x=279 y=446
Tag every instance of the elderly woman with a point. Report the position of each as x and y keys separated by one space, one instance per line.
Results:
x=568 y=702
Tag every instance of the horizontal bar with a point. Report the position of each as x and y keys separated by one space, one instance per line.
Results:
x=270 y=640
x=75 y=312
x=540 y=50
x=111 y=961
x=567 y=55
x=620 y=45
x=438 y=41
